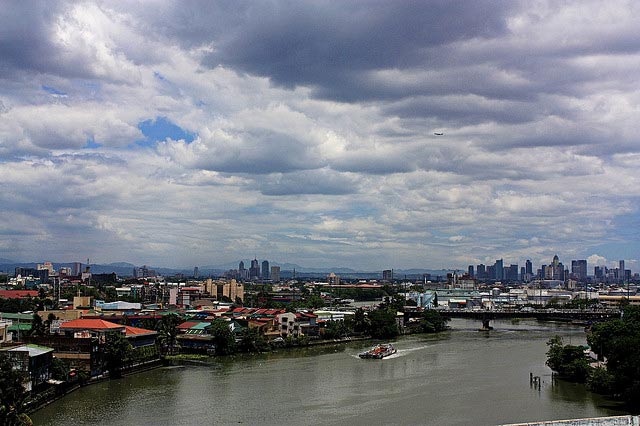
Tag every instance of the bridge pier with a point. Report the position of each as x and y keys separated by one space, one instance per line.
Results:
x=486 y=323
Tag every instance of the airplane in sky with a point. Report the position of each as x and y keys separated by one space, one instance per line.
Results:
x=438 y=134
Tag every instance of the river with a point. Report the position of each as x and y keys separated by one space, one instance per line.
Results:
x=460 y=377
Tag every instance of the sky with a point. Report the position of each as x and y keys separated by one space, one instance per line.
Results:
x=177 y=133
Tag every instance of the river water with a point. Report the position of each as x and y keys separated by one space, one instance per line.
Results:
x=460 y=377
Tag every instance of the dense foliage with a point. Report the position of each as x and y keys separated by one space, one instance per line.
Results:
x=117 y=353
x=12 y=395
x=568 y=361
x=223 y=338
x=433 y=322
x=382 y=323
x=618 y=341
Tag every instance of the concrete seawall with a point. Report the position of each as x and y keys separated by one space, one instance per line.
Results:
x=595 y=421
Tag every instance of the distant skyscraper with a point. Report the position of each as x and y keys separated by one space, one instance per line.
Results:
x=387 y=275
x=579 y=269
x=528 y=267
x=196 y=272
x=275 y=274
x=499 y=270
x=512 y=273
x=470 y=271
x=265 y=270
x=254 y=270
x=481 y=272
x=621 y=271
x=76 y=269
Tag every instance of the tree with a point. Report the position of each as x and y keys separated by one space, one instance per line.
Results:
x=383 y=323
x=223 y=337
x=617 y=341
x=47 y=324
x=568 y=361
x=253 y=341
x=168 y=331
x=361 y=323
x=432 y=322
x=335 y=330
x=37 y=326
x=12 y=395
x=117 y=352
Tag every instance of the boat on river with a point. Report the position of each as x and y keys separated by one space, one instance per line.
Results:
x=379 y=351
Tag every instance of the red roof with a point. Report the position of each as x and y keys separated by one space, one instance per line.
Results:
x=18 y=294
x=90 y=324
x=187 y=325
x=135 y=331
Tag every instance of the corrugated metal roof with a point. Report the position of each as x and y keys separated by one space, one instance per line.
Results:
x=34 y=350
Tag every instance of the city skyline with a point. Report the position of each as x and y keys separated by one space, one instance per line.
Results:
x=367 y=135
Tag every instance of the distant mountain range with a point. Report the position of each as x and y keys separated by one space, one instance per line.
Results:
x=125 y=269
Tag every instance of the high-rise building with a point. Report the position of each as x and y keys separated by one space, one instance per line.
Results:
x=491 y=272
x=254 y=270
x=275 y=274
x=621 y=269
x=579 y=269
x=76 y=269
x=528 y=267
x=265 y=270
x=511 y=273
x=470 y=271
x=196 y=272
x=481 y=272
x=333 y=279
x=499 y=270
x=387 y=275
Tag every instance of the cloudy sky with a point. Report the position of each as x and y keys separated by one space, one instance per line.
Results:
x=200 y=133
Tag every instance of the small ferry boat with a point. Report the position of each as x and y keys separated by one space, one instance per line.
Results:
x=379 y=351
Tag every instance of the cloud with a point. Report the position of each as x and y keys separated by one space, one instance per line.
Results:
x=304 y=131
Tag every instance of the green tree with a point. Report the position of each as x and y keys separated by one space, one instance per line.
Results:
x=361 y=323
x=12 y=395
x=432 y=322
x=223 y=337
x=253 y=341
x=168 y=331
x=37 y=326
x=335 y=330
x=568 y=361
x=617 y=341
x=383 y=323
x=117 y=352
x=47 y=324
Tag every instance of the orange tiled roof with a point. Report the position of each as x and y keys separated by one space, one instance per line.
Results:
x=18 y=294
x=135 y=331
x=90 y=324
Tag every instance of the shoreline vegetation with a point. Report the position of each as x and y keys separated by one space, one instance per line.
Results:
x=610 y=365
x=378 y=324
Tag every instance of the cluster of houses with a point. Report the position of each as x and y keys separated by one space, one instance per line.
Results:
x=78 y=335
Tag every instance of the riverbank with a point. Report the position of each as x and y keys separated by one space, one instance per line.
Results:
x=55 y=392
x=467 y=378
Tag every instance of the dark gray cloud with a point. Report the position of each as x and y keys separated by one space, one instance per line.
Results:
x=330 y=45
x=323 y=181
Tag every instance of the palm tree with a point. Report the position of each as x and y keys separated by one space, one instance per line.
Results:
x=168 y=331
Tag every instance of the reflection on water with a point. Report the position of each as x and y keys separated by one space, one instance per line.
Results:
x=459 y=377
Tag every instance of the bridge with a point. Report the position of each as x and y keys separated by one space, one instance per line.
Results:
x=539 y=314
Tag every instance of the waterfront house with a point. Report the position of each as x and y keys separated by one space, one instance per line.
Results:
x=34 y=361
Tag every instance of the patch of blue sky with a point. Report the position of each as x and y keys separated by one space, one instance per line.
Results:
x=161 y=128
x=53 y=91
x=92 y=144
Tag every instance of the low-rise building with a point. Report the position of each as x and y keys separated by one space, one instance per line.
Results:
x=34 y=361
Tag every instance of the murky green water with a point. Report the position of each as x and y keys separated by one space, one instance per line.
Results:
x=462 y=377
